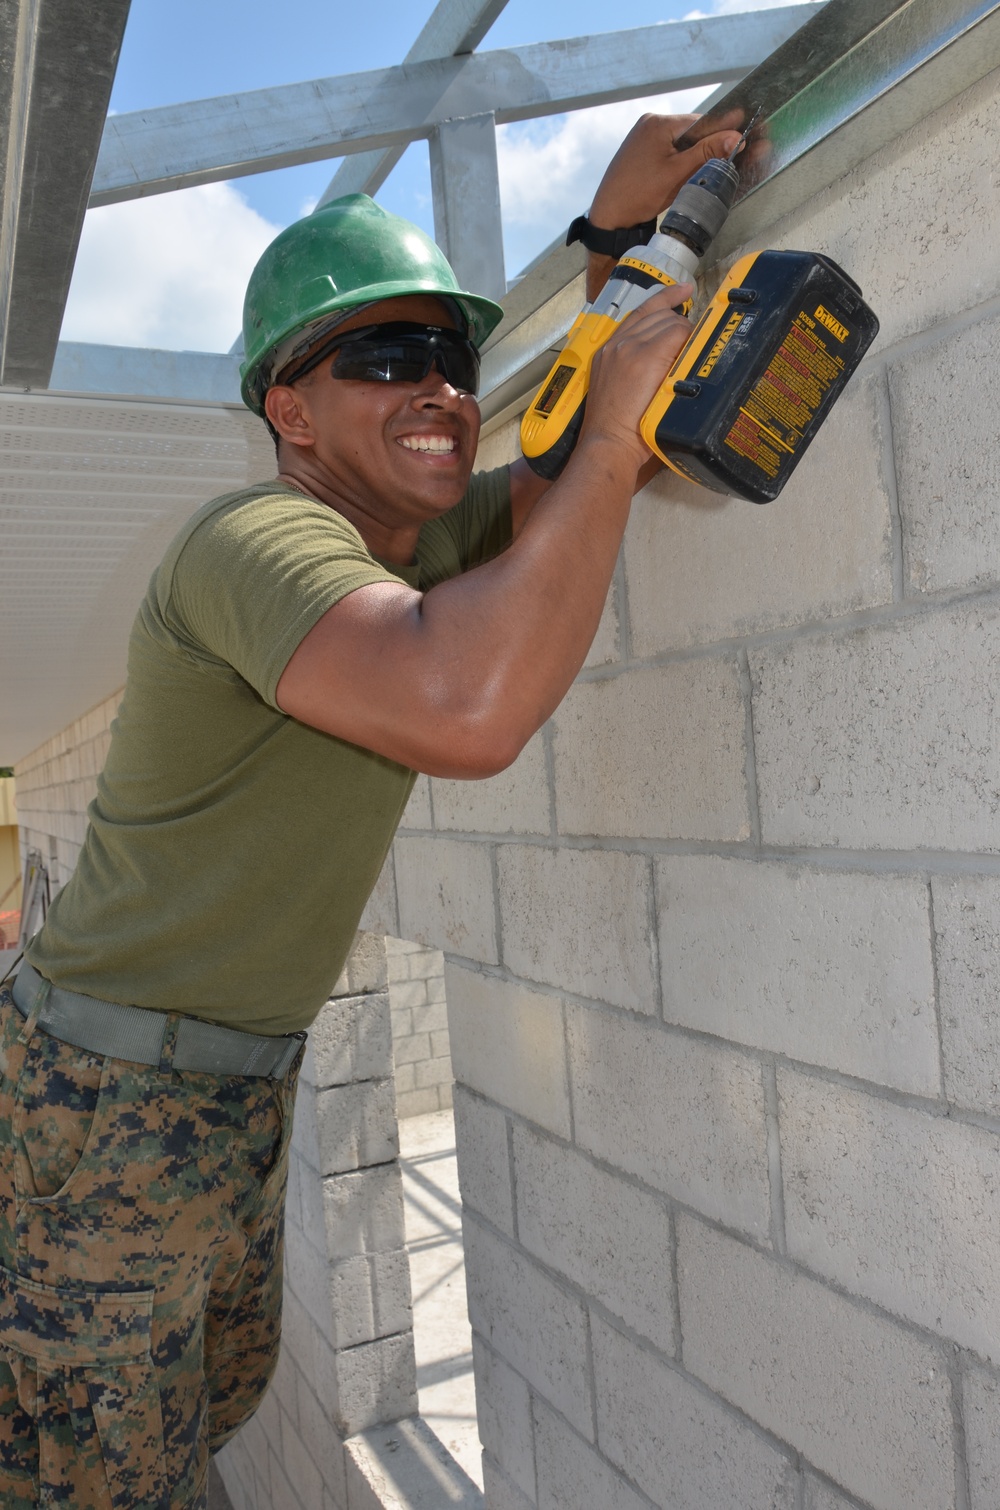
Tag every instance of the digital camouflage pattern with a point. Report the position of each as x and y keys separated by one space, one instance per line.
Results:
x=141 y=1224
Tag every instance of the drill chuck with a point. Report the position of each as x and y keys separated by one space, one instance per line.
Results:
x=699 y=212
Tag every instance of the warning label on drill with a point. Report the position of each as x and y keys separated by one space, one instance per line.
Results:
x=779 y=409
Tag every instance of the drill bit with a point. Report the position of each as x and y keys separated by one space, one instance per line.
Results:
x=743 y=139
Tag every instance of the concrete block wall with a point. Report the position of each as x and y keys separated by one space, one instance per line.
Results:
x=55 y=784
x=421 y=1052
x=347 y=1362
x=722 y=948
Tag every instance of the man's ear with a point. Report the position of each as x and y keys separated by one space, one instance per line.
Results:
x=284 y=409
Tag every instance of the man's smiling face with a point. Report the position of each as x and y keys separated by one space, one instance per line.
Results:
x=398 y=452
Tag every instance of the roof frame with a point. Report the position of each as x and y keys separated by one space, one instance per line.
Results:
x=205 y=141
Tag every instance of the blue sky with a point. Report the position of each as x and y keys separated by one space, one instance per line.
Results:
x=169 y=271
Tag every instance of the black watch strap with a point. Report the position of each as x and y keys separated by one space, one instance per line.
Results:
x=609 y=243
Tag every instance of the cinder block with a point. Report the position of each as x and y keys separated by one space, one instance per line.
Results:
x=425 y=964
x=381 y=914
x=370 y=1384
x=434 y=1016
x=350 y=1040
x=433 y=1072
x=302 y=1472
x=579 y=919
x=410 y=1050
x=886 y=216
x=483 y=1160
x=503 y=1410
x=654 y=754
x=881 y=738
x=608 y=1237
x=571 y=1474
x=681 y=1448
x=967 y=935
x=440 y=1044
x=824 y=966
x=536 y=1327
x=366 y=968
x=281 y=1487
x=417 y=813
x=406 y=1080
x=687 y=1117
x=446 y=896
x=402 y=1021
x=895 y=1205
x=948 y=473
x=298 y=1328
x=514 y=802
x=605 y=646
x=821 y=1497
x=416 y=1103
x=507 y=1043
x=307 y=1281
x=408 y=993
x=981 y=1402
x=703 y=568
x=370 y=1297
x=867 y=1402
x=501 y=1494
x=322 y=1442
x=405 y=1467
x=356 y=1126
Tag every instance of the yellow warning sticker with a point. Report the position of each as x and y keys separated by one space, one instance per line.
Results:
x=780 y=408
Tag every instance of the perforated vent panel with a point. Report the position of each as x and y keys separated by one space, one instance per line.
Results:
x=91 y=492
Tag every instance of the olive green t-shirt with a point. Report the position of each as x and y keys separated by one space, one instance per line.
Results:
x=231 y=849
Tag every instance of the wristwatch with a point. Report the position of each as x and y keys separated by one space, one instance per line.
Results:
x=609 y=243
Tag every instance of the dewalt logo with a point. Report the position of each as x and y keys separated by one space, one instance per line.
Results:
x=720 y=345
x=834 y=326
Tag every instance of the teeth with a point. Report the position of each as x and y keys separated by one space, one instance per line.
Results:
x=428 y=442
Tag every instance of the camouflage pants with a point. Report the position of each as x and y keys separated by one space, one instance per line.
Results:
x=141 y=1227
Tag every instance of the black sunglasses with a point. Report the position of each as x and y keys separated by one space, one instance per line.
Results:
x=398 y=352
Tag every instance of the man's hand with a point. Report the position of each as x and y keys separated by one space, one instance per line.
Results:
x=628 y=371
x=644 y=177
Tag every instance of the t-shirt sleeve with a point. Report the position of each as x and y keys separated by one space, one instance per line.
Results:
x=249 y=584
x=473 y=532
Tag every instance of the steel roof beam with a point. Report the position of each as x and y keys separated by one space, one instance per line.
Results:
x=859 y=75
x=453 y=27
x=203 y=141
x=57 y=65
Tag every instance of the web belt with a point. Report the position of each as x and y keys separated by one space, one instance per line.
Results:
x=141 y=1036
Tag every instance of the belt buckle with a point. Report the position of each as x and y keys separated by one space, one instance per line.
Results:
x=284 y=1063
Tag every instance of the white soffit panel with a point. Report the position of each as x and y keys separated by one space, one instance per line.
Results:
x=91 y=492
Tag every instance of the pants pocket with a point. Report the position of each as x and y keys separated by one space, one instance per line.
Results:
x=81 y=1366
x=55 y=1110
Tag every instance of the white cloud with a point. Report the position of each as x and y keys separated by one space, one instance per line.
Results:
x=550 y=168
x=168 y=271
x=732 y=7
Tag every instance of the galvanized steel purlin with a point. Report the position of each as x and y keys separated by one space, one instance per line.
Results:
x=204 y=141
x=859 y=74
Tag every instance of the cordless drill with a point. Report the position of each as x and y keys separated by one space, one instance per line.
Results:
x=764 y=365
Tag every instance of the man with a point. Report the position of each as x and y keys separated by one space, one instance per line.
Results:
x=305 y=647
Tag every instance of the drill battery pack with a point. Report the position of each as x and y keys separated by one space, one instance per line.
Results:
x=767 y=361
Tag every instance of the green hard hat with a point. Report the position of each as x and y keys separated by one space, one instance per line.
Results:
x=349 y=253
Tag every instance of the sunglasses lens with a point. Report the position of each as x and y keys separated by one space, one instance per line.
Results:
x=391 y=355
